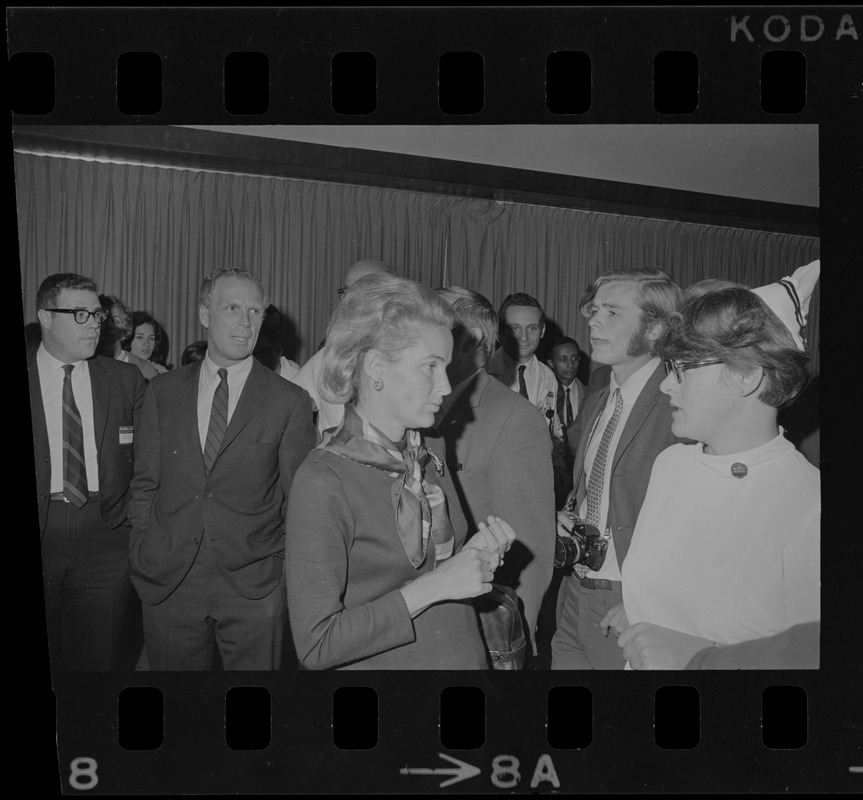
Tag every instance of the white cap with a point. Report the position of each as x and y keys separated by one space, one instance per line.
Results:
x=789 y=299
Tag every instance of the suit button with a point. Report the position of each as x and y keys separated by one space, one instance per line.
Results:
x=208 y=494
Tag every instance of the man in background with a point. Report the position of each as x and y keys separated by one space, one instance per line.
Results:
x=626 y=424
x=85 y=411
x=219 y=444
x=515 y=364
x=499 y=453
x=565 y=357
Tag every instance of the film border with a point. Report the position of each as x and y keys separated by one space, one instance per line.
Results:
x=299 y=42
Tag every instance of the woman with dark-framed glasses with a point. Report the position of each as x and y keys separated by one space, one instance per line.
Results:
x=726 y=548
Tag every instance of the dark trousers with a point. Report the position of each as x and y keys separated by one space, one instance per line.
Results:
x=578 y=642
x=85 y=572
x=205 y=612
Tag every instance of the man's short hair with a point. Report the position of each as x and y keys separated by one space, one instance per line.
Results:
x=519 y=299
x=205 y=295
x=50 y=288
x=565 y=340
x=472 y=310
x=659 y=295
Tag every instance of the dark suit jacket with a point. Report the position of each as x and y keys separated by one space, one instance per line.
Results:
x=118 y=393
x=646 y=434
x=563 y=477
x=499 y=456
x=240 y=505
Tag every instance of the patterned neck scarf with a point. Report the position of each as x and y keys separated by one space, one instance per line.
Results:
x=419 y=505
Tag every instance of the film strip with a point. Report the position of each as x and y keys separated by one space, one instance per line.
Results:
x=536 y=731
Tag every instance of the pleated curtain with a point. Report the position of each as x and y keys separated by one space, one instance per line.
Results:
x=149 y=234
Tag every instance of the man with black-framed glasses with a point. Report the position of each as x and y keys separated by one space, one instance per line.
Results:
x=84 y=410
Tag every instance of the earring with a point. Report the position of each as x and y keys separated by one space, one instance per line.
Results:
x=378 y=384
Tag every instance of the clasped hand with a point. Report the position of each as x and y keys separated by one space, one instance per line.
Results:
x=648 y=646
x=496 y=536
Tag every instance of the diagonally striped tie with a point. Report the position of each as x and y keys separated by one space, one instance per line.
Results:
x=74 y=466
x=218 y=421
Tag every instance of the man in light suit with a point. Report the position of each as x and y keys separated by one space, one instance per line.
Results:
x=85 y=410
x=626 y=424
x=499 y=453
x=219 y=443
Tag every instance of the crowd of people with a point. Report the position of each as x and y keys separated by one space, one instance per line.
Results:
x=354 y=512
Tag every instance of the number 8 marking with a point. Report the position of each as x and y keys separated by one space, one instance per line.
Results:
x=83 y=768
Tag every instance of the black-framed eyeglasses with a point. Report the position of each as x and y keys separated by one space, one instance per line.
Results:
x=341 y=291
x=81 y=314
x=679 y=367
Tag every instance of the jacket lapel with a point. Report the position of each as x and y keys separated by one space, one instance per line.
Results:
x=250 y=399
x=101 y=391
x=593 y=409
x=643 y=406
x=187 y=412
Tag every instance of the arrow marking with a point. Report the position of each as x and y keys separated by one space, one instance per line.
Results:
x=461 y=772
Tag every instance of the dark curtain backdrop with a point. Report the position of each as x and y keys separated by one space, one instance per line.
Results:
x=149 y=234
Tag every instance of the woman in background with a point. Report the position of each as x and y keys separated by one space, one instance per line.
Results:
x=115 y=329
x=144 y=338
x=726 y=548
x=378 y=572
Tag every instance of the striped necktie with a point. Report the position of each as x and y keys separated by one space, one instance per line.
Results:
x=74 y=465
x=218 y=421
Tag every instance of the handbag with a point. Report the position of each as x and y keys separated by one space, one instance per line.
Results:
x=502 y=627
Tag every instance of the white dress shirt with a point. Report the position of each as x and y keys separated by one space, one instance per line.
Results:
x=208 y=381
x=539 y=379
x=629 y=390
x=51 y=377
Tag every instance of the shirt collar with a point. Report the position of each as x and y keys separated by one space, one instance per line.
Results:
x=46 y=361
x=528 y=364
x=632 y=386
x=235 y=371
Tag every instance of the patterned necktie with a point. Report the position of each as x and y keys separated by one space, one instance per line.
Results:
x=522 y=386
x=597 y=474
x=218 y=421
x=568 y=410
x=74 y=466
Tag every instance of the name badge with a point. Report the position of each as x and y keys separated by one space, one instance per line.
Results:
x=127 y=434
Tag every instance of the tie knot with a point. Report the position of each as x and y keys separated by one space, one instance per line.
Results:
x=222 y=373
x=67 y=368
x=522 y=368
